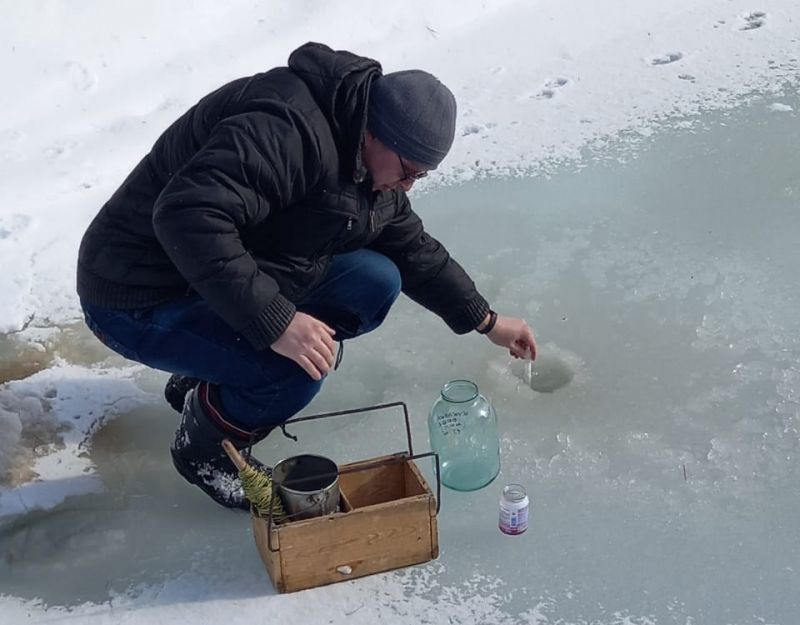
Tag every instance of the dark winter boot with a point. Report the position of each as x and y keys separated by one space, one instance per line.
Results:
x=176 y=389
x=197 y=451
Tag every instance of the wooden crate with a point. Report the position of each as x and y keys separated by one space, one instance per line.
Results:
x=388 y=521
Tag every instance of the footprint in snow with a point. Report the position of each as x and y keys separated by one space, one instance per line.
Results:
x=753 y=20
x=13 y=224
x=60 y=149
x=80 y=77
x=550 y=87
x=474 y=129
x=665 y=59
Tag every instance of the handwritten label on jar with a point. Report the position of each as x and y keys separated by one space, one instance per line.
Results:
x=451 y=422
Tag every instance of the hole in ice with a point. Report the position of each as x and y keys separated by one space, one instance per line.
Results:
x=548 y=373
x=551 y=370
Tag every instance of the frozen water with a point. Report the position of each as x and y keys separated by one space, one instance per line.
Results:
x=662 y=463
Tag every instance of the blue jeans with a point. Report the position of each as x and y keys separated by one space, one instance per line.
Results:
x=256 y=388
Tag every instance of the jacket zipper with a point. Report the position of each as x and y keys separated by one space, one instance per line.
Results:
x=372 y=220
x=349 y=224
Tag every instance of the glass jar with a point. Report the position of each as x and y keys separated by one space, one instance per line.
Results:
x=463 y=431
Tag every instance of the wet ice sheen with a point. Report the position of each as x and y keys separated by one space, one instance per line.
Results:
x=663 y=473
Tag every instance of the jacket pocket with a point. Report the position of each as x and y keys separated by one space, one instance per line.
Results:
x=338 y=219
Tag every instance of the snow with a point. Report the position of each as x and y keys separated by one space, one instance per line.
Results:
x=536 y=83
x=663 y=413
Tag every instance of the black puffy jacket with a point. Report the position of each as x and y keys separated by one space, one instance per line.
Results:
x=246 y=197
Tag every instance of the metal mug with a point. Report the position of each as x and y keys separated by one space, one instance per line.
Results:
x=308 y=485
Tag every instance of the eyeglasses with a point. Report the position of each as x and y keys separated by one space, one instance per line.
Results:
x=406 y=175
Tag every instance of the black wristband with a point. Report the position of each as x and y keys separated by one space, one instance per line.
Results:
x=490 y=325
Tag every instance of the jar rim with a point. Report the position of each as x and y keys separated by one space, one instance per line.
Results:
x=459 y=391
x=514 y=492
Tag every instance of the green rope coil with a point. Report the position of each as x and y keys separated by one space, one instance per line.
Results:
x=258 y=489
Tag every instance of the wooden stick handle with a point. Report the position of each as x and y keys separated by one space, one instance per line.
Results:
x=234 y=454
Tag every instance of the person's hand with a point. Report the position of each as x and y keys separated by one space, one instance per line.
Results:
x=309 y=342
x=515 y=335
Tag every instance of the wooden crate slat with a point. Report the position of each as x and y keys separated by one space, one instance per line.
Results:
x=392 y=524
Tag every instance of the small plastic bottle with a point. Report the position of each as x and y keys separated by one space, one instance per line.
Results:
x=514 y=505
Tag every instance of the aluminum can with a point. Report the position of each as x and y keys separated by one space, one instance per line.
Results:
x=514 y=505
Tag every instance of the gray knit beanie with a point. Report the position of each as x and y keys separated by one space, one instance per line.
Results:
x=414 y=115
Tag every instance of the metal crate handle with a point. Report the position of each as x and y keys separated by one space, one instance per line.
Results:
x=396 y=459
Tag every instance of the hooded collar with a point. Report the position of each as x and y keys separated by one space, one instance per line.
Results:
x=339 y=82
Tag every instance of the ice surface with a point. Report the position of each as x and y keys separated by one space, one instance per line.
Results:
x=662 y=465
